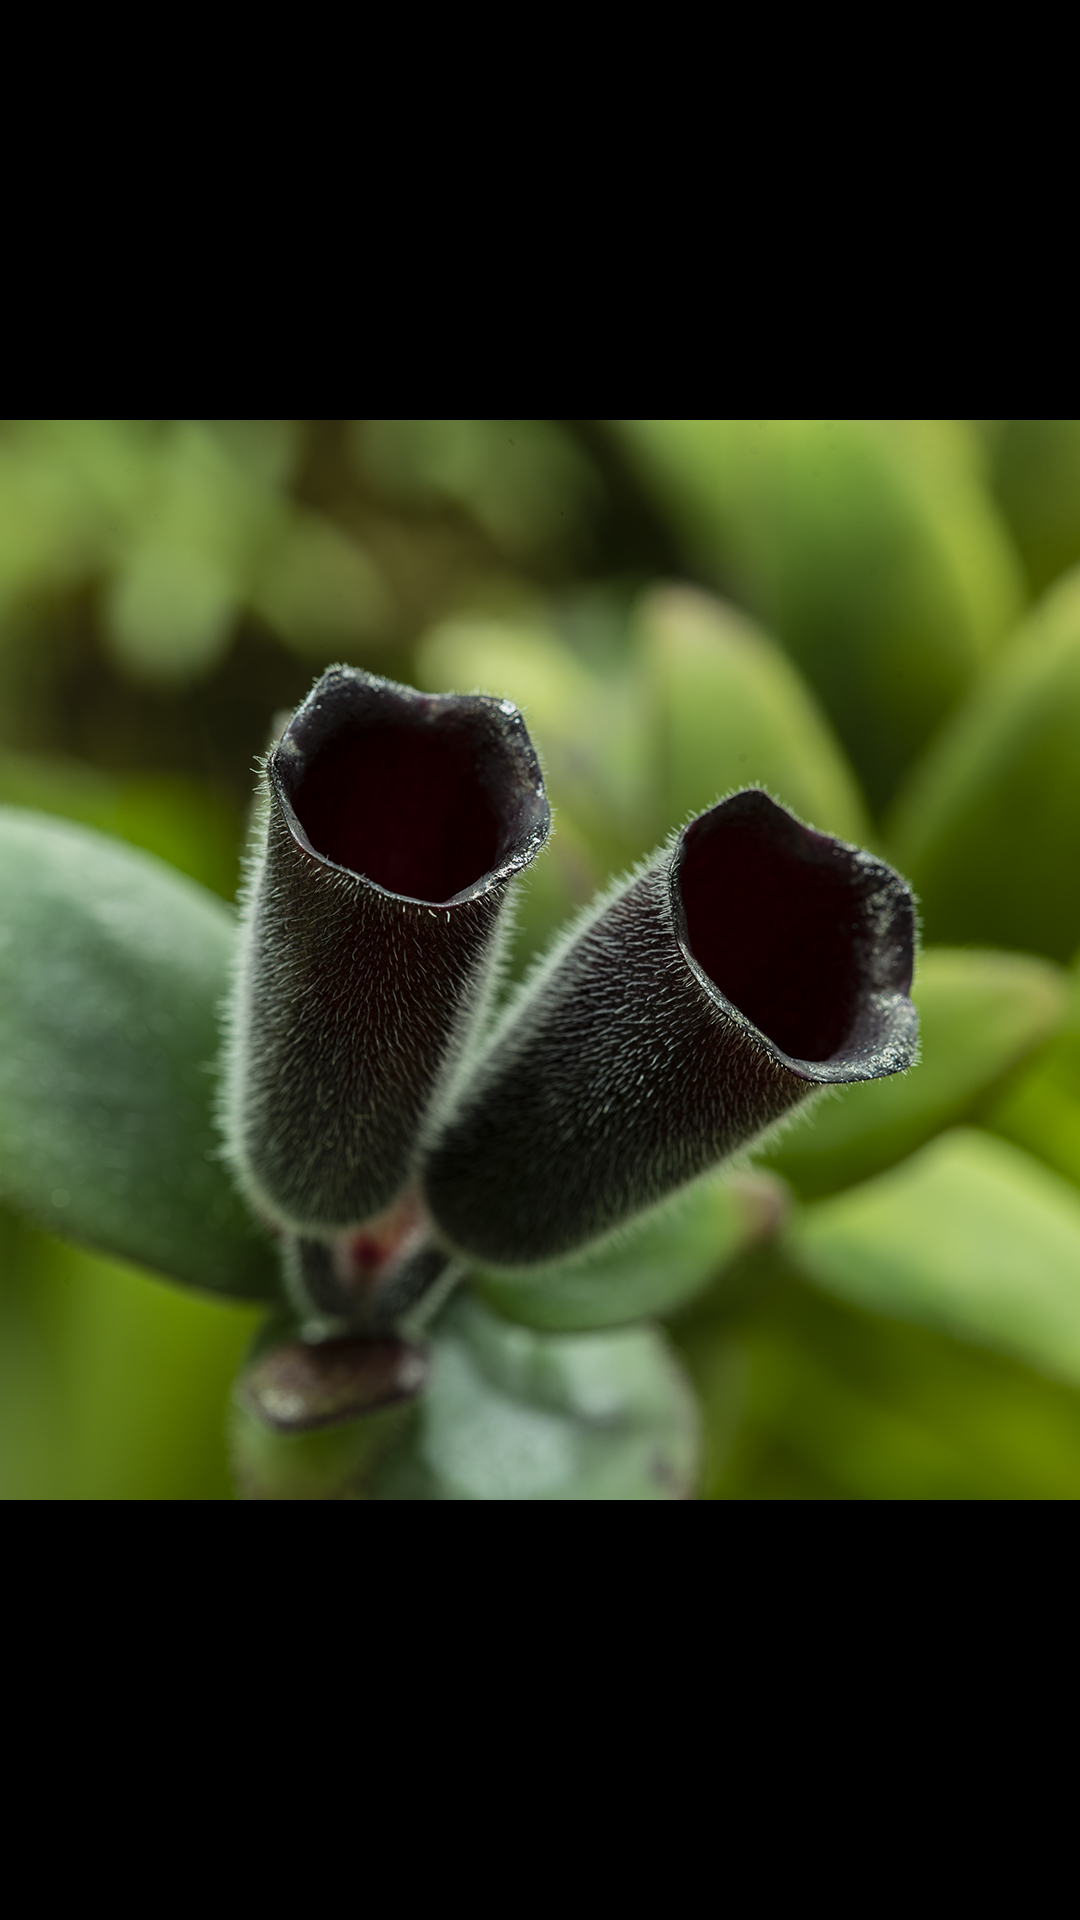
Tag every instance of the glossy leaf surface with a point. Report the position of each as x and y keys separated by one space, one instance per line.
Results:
x=978 y=1014
x=970 y=1236
x=112 y=967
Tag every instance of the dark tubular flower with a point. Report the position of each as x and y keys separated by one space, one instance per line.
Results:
x=395 y=824
x=749 y=963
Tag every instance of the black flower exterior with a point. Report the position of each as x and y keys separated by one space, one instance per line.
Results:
x=750 y=963
x=395 y=824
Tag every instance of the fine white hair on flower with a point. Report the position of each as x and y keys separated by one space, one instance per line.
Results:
x=750 y=963
x=393 y=828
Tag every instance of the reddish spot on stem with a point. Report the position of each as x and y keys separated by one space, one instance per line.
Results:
x=364 y=1259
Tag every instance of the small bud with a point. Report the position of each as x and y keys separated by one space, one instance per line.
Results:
x=750 y=962
x=296 y=1388
x=395 y=823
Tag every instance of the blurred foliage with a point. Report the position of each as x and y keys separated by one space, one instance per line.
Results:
x=1035 y=473
x=113 y=1386
x=806 y=1398
x=891 y=1307
x=872 y=549
x=987 y=823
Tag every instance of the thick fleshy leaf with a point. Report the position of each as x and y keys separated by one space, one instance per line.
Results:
x=970 y=1236
x=870 y=548
x=112 y=968
x=989 y=825
x=662 y=1266
x=511 y=1414
x=732 y=711
x=979 y=1013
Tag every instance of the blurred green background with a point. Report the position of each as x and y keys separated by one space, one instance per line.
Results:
x=879 y=621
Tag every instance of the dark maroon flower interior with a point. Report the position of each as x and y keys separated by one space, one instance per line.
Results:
x=402 y=805
x=776 y=916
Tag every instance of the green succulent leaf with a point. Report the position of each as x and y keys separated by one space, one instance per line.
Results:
x=112 y=968
x=511 y=1414
x=661 y=1266
x=971 y=1237
x=988 y=826
x=732 y=711
x=979 y=1013
x=870 y=548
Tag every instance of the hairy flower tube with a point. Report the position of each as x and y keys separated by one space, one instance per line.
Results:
x=394 y=824
x=750 y=962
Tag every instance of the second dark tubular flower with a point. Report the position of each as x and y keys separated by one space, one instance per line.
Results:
x=751 y=962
